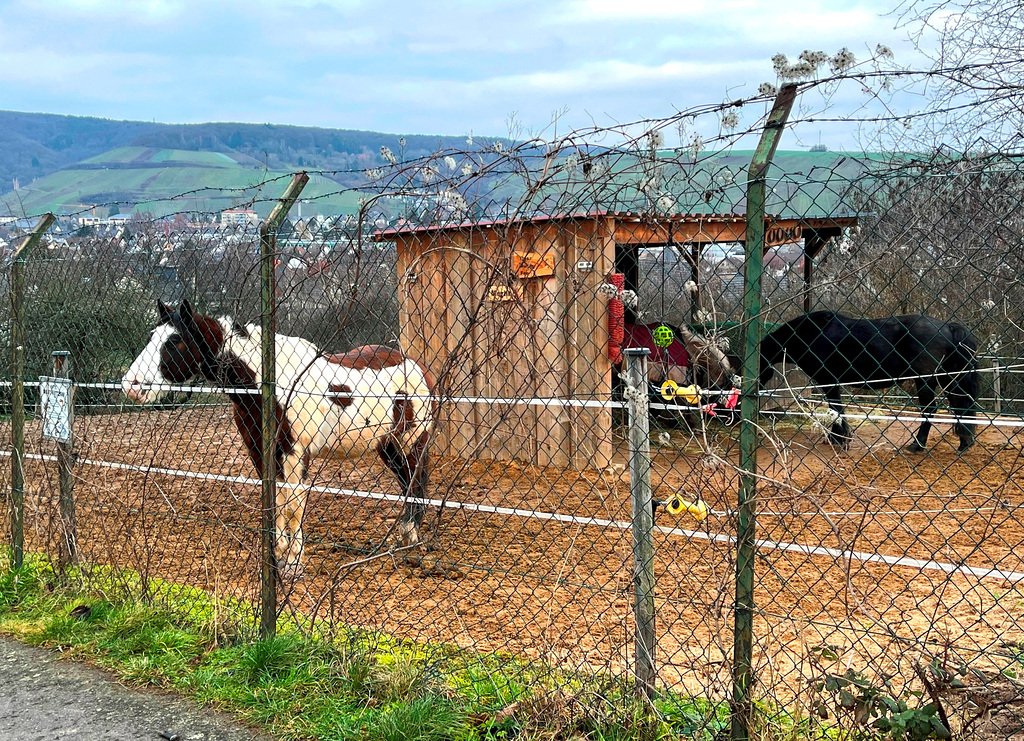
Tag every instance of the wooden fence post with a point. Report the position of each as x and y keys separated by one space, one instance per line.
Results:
x=18 y=388
x=643 y=517
x=65 y=463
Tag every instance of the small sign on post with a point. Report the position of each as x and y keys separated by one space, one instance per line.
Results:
x=57 y=405
x=58 y=402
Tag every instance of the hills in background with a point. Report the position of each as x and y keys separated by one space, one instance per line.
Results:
x=68 y=163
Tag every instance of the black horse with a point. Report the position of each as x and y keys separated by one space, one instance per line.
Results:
x=835 y=350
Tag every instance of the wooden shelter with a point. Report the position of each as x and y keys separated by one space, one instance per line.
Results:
x=511 y=310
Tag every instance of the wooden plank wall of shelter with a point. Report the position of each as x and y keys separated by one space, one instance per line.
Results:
x=485 y=332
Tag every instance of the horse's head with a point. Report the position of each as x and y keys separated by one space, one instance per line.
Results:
x=767 y=373
x=182 y=346
x=710 y=365
x=772 y=352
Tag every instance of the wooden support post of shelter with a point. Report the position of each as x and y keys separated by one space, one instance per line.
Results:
x=997 y=384
x=814 y=241
x=695 y=250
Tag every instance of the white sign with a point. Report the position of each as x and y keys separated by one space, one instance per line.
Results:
x=56 y=395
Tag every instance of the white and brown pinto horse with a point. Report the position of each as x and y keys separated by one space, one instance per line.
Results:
x=339 y=406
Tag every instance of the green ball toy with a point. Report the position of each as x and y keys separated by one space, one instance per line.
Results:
x=663 y=336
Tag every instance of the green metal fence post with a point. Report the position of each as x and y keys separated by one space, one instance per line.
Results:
x=18 y=387
x=743 y=641
x=268 y=324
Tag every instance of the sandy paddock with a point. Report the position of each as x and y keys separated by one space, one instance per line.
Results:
x=560 y=592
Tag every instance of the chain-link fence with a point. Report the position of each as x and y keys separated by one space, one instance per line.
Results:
x=791 y=552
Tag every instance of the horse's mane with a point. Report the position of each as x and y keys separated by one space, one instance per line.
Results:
x=818 y=319
x=245 y=343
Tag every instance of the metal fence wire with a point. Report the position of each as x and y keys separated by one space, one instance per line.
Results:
x=785 y=552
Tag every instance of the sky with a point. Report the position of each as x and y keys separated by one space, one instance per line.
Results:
x=443 y=67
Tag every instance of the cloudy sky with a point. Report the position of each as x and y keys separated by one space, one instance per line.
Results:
x=447 y=66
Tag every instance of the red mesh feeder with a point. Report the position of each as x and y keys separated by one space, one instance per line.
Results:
x=616 y=319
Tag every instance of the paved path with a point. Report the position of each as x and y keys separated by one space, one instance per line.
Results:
x=44 y=698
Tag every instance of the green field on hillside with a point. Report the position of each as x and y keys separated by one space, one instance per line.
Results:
x=160 y=182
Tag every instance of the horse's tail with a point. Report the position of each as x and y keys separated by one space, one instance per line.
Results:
x=422 y=384
x=962 y=365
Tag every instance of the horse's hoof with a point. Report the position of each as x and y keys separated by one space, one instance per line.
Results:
x=410 y=534
x=840 y=443
x=291 y=572
x=915 y=447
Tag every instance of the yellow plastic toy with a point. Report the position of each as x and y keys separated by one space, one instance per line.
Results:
x=671 y=390
x=689 y=394
x=677 y=505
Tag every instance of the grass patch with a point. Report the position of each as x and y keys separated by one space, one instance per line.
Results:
x=427 y=718
x=359 y=686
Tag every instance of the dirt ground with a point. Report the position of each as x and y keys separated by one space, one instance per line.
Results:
x=560 y=592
